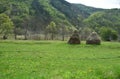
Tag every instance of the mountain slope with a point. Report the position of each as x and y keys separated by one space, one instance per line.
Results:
x=38 y=12
x=35 y=15
x=41 y=12
x=73 y=11
x=86 y=10
x=107 y=18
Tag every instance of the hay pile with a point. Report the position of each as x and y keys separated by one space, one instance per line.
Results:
x=74 y=39
x=93 y=39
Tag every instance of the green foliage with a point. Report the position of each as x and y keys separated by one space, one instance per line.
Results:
x=87 y=11
x=17 y=21
x=108 y=18
x=85 y=32
x=45 y=13
x=51 y=28
x=108 y=34
x=42 y=12
x=71 y=12
x=6 y=25
x=58 y=60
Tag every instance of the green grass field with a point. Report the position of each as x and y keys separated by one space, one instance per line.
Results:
x=59 y=60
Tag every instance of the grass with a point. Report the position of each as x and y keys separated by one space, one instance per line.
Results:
x=59 y=60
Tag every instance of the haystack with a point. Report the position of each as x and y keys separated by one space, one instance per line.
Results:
x=74 y=39
x=93 y=39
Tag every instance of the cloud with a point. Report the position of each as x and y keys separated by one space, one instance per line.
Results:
x=98 y=3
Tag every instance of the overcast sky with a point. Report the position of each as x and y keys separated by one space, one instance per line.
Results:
x=98 y=3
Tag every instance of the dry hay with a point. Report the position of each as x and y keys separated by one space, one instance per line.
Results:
x=74 y=39
x=93 y=39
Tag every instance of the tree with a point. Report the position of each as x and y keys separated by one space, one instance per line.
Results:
x=17 y=25
x=51 y=28
x=26 y=26
x=80 y=21
x=108 y=34
x=85 y=32
x=6 y=25
x=63 y=29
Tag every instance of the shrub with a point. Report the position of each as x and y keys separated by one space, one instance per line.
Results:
x=108 y=34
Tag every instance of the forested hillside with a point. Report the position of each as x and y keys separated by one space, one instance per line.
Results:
x=86 y=10
x=45 y=11
x=40 y=16
x=107 y=21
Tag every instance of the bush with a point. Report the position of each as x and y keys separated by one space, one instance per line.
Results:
x=108 y=34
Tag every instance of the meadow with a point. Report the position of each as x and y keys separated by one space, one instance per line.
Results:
x=59 y=60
